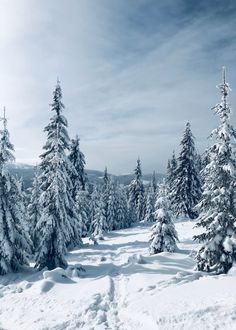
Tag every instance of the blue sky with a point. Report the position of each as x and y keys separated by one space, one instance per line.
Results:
x=133 y=72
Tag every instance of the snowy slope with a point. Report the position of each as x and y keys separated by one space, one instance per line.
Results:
x=122 y=288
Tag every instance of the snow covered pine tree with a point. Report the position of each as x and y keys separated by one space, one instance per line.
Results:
x=78 y=177
x=121 y=208
x=163 y=235
x=96 y=228
x=217 y=210
x=170 y=178
x=34 y=210
x=100 y=200
x=83 y=211
x=112 y=206
x=150 y=204
x=104 y=202
x=136 y=195
x=79 y=181
x=98 y=220
x=15 y=243
x=186 y=190
x=58 y=225
x=150 y=199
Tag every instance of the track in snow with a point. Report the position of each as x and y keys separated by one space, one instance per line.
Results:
x=123 y=288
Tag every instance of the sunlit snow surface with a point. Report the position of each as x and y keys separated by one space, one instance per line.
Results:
x=122 y=288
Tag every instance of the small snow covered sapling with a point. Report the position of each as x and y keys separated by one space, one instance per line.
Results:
x=164 y=235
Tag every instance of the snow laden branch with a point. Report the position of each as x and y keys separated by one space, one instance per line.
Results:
x=217 y=206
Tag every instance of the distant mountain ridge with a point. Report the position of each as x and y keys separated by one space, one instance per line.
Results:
x=26 y=172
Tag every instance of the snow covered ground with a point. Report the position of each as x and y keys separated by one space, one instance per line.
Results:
x=123 y=288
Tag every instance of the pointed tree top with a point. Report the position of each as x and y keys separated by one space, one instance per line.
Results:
x=4 y=119
x=76 y=140
x=154 y=179
x=105 y=177
x=224 y=86
x=223 y=74
x=138 y=171
x=138 y=162
x=168 y=164
x=105 y=173
x=36 y=169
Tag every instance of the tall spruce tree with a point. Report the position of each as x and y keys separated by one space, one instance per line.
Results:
x=136 y=195
x=78 y=177
x=95 y=205
x=112 y=206
x=171 y=172
x=217 y=209
x=150 y=204
x=186 y=191
x=22 y=198
x=14 y=240
x=163 y=233
x=121 y=220
x=95 y=195
x=105 y=193
x=34 y=209
x=154 y=182
x=58 y=225
x=170 y=180
x=149 y=198
x=99 y=220
x=83 y=211
x=205 y=161
x=79 y=181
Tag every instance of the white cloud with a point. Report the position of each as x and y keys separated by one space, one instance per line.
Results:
x=131 y=75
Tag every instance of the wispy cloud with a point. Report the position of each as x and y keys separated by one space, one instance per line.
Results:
x=132 y=73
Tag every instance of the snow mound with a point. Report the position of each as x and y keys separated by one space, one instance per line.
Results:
x=24 y=285
x=46 y=286
x=57 y=275
x=232 y=271
x=136 y=259
x=75 y=271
